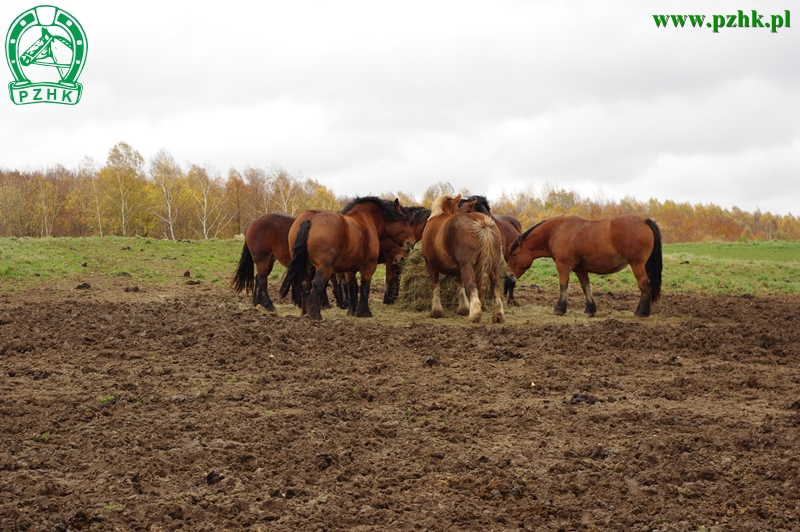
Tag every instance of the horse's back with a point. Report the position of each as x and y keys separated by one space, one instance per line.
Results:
x=336 y=241
x=268 y=234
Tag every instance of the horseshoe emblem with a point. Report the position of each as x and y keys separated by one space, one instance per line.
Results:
x=46 y=51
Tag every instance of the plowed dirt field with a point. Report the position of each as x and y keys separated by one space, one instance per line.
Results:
x=187 y=409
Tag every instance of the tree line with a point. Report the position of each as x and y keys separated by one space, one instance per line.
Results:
x=163 y=199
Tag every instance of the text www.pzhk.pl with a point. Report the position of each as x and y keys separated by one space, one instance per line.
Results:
x=739 y=20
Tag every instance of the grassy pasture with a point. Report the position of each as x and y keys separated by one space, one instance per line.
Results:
x=757 y=268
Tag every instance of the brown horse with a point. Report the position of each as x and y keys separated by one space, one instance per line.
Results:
x=325 y=243
x=594 y=246
x=417 y=218
x=467 y=246
x=510 y=229
x=267 y=240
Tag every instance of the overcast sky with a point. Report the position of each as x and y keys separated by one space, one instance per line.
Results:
x=376 y=96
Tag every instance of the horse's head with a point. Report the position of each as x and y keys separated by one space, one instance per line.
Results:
x=398 y=235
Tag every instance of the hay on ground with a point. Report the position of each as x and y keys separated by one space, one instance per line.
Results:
x=415 y=285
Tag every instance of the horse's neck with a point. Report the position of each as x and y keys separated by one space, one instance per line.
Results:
x=538 y=242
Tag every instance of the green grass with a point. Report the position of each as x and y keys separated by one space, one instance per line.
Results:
x=756 y=268
x=145 y=261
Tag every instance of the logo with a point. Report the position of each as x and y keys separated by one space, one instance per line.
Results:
x=46 y=51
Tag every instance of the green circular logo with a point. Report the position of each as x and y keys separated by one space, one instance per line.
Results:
x=46 y=51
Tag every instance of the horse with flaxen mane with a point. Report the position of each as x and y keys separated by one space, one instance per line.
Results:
x=594 y=246
x=467 y=246
x=325 y=243
x=510 y=229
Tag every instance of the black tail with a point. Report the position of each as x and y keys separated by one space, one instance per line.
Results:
x=244 y=278
x=296 y=273
x=653 y=266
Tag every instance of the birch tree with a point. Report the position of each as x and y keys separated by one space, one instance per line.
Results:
x=168 y=184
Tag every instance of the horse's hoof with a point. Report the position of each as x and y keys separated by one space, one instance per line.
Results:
x=589 y=314
x=559 y=311
x=513 y=303
x=641 y=314
x=498 y=319
x=463 y=311
x=366 y=314
x=474 y=318
x=436 y=314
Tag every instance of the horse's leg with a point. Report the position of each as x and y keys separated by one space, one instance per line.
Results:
x=563 y=281
x=324 y=302
x=313 y=303
x=643 y=310
x=508 y=288
x=436 y=301
x=352 y=293
x=471 y=288
x=260 y=293
x=463 y=301
x=363 y=297
x=591 y=307
x=390 y=292
x=498 y=313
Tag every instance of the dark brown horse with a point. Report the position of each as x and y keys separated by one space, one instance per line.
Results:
x=326 y=243
x=510 y=229
x=594 y=246
x=467 y=246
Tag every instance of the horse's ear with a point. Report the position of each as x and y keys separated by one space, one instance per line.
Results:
x=457 y=199
x=397 y=206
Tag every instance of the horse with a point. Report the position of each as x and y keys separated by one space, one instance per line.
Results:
x=594 y=246
x=267 y=240
x=510 y=229
x=264 y=242
x=417 y=218
x=325 y=243
x=467 y=246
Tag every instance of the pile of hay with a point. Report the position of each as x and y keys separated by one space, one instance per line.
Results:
x=415 y=285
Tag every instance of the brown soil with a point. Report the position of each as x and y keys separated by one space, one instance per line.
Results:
x=185 y=409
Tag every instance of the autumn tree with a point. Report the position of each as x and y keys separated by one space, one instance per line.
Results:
x=209 y=201
x=123 y=188
x=167 y=185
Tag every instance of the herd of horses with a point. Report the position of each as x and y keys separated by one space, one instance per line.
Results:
x=460 y=237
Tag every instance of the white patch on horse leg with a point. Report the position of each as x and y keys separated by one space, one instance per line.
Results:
x=475 y=308
x=463 y=302
x=436 y=308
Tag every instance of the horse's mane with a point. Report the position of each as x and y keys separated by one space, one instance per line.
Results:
x=392 y=214
x=524 y=235
x=436 y=208
x=417 y=214
x=482 y=204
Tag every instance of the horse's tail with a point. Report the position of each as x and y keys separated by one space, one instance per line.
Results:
x=243 y=277
x=654 y=265
x=488 y=247
x=296 y=272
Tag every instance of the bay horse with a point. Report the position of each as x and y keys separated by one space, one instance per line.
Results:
x=467 y=246
x=325 y=243
x=510 y=229
x=594 y=246
x=267 y=240
x=417 y=218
